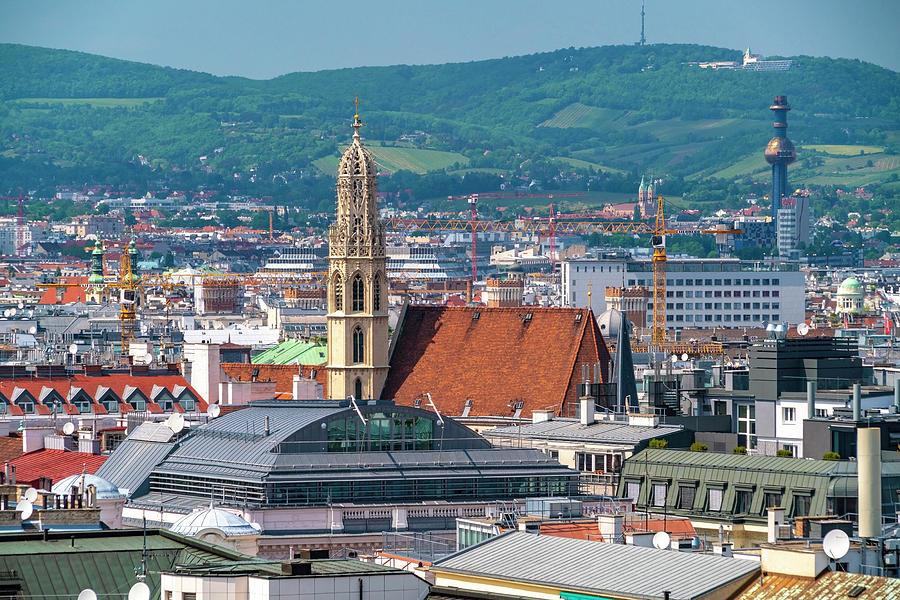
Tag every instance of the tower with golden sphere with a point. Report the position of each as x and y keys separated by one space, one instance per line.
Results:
x=779 y=153
x=357 y=284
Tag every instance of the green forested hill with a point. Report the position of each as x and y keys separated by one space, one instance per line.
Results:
x=68 y=117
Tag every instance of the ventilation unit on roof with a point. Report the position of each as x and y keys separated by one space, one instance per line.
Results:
x=527 y=317
x=476 y=315
x=417 y=402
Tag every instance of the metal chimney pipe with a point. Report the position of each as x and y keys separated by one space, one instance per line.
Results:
x=856 y=400
x=897 y=395
x=868 y=465
x=811 y=398
x=267 y=424
x=12 y=474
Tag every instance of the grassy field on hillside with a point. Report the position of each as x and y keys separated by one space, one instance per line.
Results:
x=96 y=102
x=397 y=158
x=844 y=149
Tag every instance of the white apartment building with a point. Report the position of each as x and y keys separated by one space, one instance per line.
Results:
x=700 y=292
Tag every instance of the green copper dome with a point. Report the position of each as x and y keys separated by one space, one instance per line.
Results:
x=850 y=287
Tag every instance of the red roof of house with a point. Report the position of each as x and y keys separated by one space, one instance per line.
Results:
x=70 y=295
x=117 y=382
x=588 y=530
x=496 y=357
x=10 y=447
x=282 y=375
x=55 y=464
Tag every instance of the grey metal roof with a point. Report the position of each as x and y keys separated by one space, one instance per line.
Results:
x=740 y=462
x=130 y=464
x=572 y=429
x=236 y=444
x=596 y=567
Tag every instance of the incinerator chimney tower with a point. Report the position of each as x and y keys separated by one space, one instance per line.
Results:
x=779 y=153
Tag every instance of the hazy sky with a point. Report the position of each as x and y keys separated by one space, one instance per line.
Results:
x=265 y=38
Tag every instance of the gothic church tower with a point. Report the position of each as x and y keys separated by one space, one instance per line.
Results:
x=357 y=287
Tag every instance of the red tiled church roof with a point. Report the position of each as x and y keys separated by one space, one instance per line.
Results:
x=70 y=295
x=498 y=358
x=55 y=464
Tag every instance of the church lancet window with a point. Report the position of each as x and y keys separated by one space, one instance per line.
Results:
x=338 y=286
x=359 y=294
x=357 y=388
x=376 y=294
x=358 y=345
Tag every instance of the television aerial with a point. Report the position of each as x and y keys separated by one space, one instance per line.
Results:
x=213 y=411
x=25 y=509
x=661 y=540
x=139 y=591
x=802 y=329
x=30 y=495
x=69 y=428
x=836 y=544
x=87 y=594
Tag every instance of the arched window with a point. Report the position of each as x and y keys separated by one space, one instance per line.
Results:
x=358 y=293
x=357 y=389
x=338 y=288
x=376 y=294
x=358 y=341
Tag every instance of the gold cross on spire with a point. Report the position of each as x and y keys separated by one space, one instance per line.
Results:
x=356 y=122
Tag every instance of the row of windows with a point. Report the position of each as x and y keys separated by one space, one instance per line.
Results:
x=111 y=406
x=722 y=318
x=358 y=293
x=720 y=305
x=741 y=505
x=382 y=432
x=723 y=294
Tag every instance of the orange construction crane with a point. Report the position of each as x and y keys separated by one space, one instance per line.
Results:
x=550 y=226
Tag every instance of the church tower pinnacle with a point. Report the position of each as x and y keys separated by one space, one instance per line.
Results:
x=357 y=284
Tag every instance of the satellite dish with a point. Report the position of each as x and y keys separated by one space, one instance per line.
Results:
x=674 y=358
x=836 y=544
x=148 y=358
x=802 y=329
x=69 y=428
x=30 y=495
x=139 y=591
x=684 y=356
x=213 y=411
x=73 y=349
x=26 y=508
x=661 y=540
x=87 y=594
x=176 y=422
x=32 y=330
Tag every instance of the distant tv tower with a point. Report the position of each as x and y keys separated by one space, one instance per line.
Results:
x=642 y=24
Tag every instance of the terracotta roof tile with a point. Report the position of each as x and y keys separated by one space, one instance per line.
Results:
x=116 y=382
x=55 y=464
x=496 y=357
x=10 y=447
x=282 y=375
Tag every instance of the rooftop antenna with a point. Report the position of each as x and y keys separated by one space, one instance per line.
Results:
x=642 y=24
x=356 y=408
x=436 y=411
